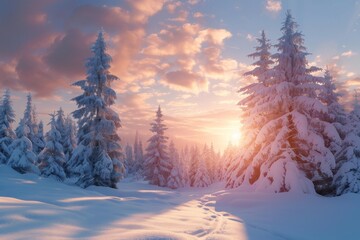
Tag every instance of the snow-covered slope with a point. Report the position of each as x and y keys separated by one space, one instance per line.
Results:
x=35 y=208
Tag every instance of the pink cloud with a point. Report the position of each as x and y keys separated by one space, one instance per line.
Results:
x=143 y=9
x=67 y=53
x=172 y=6
x=34 y=76
x=184 y=80
x=273 y=5
x=23 y=26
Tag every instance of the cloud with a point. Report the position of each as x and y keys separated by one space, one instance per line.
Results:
x=181 y=17
x=143 y=9
x=133 y=100
x=24 y=26
x=250 y=37
x=184 y=80
x=348 y=54
x=193 y=54
x=193 y=2
x=354 y=83
x=67 y=53
x=198 y=15
x=215 y=67
x=59 y=56
x=34 y=76
x=273 y=6
x=172 y=6
x=9 y=77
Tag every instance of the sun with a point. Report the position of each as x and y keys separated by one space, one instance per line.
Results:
x=235 y=137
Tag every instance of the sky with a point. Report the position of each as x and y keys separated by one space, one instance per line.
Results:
x=187 y=56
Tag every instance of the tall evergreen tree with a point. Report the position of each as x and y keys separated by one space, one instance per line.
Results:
x=40 y=132
x=289 y=152
x=347 y=174
x=30 y=121
x=7 y=135
x=98 y=158
x=129 y=159
x=176 y=178
x=157 y=162
x=336 y=112
x=254 y=108
x=27 y=120
x=22 y=158
x=69 y=140
x=194 y=164
x=202 y=178
x=138 y=155
x=52 y=157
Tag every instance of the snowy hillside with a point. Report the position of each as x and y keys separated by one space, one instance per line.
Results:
x=36 y=208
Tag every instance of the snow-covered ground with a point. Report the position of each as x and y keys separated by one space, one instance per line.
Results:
x=35 y=208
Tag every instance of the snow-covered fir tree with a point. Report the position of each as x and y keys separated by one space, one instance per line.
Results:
x=336 y=112
x=157 y=163
x=27 y=119
x=254 y=109
x=22 y=158
x=36 y=139
x=231 y=154
x=52 y=157
x=69 y=141
x=202 y=178
x=185 y=158
x=7 y=135
x=289 y=152
x=347 y=174
x=40 y=132
x=98 y=158
x=129 y=159
x=194 y=158
x=138 y=155
x=176 y=178
x=60 y=125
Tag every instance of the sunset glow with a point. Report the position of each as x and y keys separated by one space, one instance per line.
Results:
x=180 y=119
x=235 y=137
x=187 y=56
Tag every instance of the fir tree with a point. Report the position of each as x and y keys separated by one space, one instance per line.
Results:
x=254 y=109
x=69 y=140
x=176 y=178
x=7 y=135
x=129 y=159
x=289 y=152
x=98 y=158
x=22 y=158
x=27 y=120
x=347 y=174
x=185 y=158
x=157 y=162
x=230 y=155
x=336 y=112
x=138 y=155
x=40 y=132
x=36 y=139
x=202 y=178
x=60 y=125
x=194 y=164
x=52 y=157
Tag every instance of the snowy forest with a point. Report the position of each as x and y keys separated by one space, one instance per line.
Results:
x=298 y=136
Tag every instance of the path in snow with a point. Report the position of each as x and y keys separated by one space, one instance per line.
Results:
x=37 y=208
x=192 y=216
